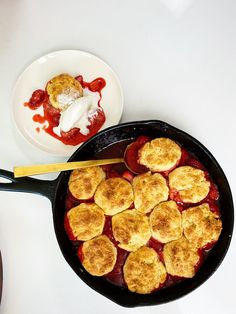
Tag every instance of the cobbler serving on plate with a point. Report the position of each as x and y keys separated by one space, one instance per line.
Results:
x=71 y=110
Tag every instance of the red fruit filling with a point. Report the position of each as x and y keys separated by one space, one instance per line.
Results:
x=131 y=155
x=127 y=175
x=68 y=229
x=80 y=253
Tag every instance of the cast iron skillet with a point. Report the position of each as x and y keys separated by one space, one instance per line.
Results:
x=56 y=191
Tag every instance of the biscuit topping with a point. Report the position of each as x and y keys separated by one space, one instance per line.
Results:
x=143 y=271
x=166 y=222
x=99 y=255
x=149 y=190
x=114 y=195
x=131 y=229
x=180 y=258
x=153 y=235
x=86 y=221
x=190 y=184
x=160 y=154
x=201 y=225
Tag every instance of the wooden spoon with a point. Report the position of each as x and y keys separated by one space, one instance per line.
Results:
x=23 y=171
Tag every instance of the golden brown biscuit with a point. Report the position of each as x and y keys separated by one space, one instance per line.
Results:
x=114 y=195
x=190 y=183
x=149 y=190
x=99 y=256
x=166 y=222
x=86 y=221
x=66 y=85
x=131 y=229
x=143 y=271
x=180 y=258
x=160 y=154
x=83 y=182
x=201 y=225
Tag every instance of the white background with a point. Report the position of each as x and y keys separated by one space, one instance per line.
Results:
x=177 y=62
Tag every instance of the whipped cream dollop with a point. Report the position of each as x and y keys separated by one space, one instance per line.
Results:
x=78 y=111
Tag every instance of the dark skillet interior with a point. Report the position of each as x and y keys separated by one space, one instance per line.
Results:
x=130 y=131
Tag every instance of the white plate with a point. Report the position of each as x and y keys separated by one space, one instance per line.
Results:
x=38 y=73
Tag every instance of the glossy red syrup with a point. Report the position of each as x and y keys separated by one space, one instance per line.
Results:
x=213 y=194
x=127 y=175
x=95 y=86
x=113 y=174
x=131 y=206
x=131 y=155
x=119 y=170
x=70 y=204
x=116 y=275
x=52 y=115
x=37 y=98
x=68 y=229
x=208 y=246
x=174 y=195
x=188 y=159
x=108 y=230
x=201 y=253
x=157 y=246
x=80 y=252
x=71 y=201
x=172 y=280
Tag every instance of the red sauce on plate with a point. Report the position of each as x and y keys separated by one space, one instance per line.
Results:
x=120 y=170
x=51 y=115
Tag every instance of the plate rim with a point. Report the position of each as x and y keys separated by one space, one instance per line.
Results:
x=72 y=148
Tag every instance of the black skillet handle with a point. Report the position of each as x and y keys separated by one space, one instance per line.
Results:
x=29 y=185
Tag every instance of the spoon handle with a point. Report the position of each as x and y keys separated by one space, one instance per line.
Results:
x=39 y=169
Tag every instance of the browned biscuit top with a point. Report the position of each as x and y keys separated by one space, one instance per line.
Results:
x=166 y=222
x=86 y=221
x=84 y=182
x=99 y=255
x=114 y=195
x=131 y=229
x=190 y=183
x=180 y=258
x=160 y=154
x=149 y=190
x=143 y=271
x=201 y=225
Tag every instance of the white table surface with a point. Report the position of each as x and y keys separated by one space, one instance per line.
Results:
x=176 y=62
